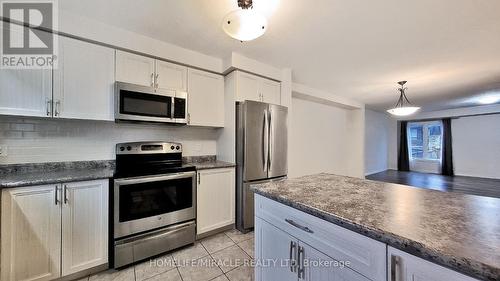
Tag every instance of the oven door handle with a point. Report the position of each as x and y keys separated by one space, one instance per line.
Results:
x=137 y=180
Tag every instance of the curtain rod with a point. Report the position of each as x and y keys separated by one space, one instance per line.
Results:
x=451 y=117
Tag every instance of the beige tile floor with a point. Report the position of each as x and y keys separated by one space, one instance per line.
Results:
x=222 y=257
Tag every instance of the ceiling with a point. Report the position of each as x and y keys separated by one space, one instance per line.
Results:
x=448 y=50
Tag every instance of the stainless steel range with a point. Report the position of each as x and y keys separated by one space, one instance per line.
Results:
x=153 y=201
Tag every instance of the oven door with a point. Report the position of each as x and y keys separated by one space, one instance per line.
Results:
x=140 y=103
x=146 y=203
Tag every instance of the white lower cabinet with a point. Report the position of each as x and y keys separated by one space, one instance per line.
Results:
x=54 y=230
x=84 y=225
x=276 y=250
x=215 y=199
x=405 y=267
x=31 y=234
x=284 y=257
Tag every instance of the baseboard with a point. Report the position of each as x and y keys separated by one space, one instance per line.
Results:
x=215 y=231
x=376 y=171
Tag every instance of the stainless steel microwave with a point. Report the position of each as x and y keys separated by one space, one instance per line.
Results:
x=146 y=104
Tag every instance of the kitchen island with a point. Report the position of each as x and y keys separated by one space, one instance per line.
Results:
x=446 y=233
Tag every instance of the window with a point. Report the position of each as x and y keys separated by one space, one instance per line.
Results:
x=425 y=140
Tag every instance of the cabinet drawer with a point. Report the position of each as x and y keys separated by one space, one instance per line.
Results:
x=365 y=256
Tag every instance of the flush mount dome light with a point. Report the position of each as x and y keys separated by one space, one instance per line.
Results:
x=244 y=24
x=403 y=106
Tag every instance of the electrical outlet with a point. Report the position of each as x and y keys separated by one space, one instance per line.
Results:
x=3 y=151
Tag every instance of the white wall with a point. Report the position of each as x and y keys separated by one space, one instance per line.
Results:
x=319 y=139
x=380 y=142
x=30 y=140
x=476 y=146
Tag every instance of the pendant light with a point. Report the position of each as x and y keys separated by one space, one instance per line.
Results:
x=404 y=106
x=244 y=24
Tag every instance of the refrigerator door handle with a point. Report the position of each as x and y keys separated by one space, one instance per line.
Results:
x=265 y=142
x=270 y=141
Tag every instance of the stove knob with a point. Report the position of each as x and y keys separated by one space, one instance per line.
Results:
x=129 y=148
x=177 y=147
x=172 y=147
x=122 y=148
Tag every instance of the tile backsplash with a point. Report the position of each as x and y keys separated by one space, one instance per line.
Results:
x=33 y=140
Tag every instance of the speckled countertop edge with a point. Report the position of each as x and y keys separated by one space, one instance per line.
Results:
x=465 y=266
x=30 y=174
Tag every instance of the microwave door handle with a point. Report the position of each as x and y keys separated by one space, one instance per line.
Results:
x=172 y=112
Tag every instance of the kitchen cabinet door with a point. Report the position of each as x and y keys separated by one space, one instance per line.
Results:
x=270 y=91
x=31 y=233
x=320 y=267
x=206 y=98
x=171 y=76
x=84 y=81
x=84 y=225
x=406 y=267
x=134 y=69
x=25 y=92
x=247 y=87
x=215 y=199
x=275 y=249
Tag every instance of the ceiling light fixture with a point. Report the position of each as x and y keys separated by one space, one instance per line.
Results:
x=489 y=99
x=404 y=106
x=244 y=24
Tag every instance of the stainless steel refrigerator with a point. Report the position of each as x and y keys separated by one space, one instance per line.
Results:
x=261 y=153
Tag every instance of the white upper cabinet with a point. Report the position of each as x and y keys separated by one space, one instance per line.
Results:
x=252 y=87
x=31 y=231
x=84 y=225
x=215 y=199
x=25 y=92
x=135 y=69
x=205 y=98
x=84 y=81
x=170 y=76
x=270 y=91
x=247 y=87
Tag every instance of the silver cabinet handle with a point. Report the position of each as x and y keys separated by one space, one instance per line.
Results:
x=65 y=194
x=56 y=191
x=156 y=80
x=300 y=257
x=189 y=118
x=58 y=104
x=396 y=268
x=49 y=107
x=293 y=262
x=199 y=178
x=301 y=227
x=152 y=79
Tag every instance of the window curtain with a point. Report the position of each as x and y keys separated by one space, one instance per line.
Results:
x=447 y=158
x=403 y=157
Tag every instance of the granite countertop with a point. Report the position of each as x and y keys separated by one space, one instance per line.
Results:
x=18 y=175
x=458 y=231
x=57 y=172
x=206 y=162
